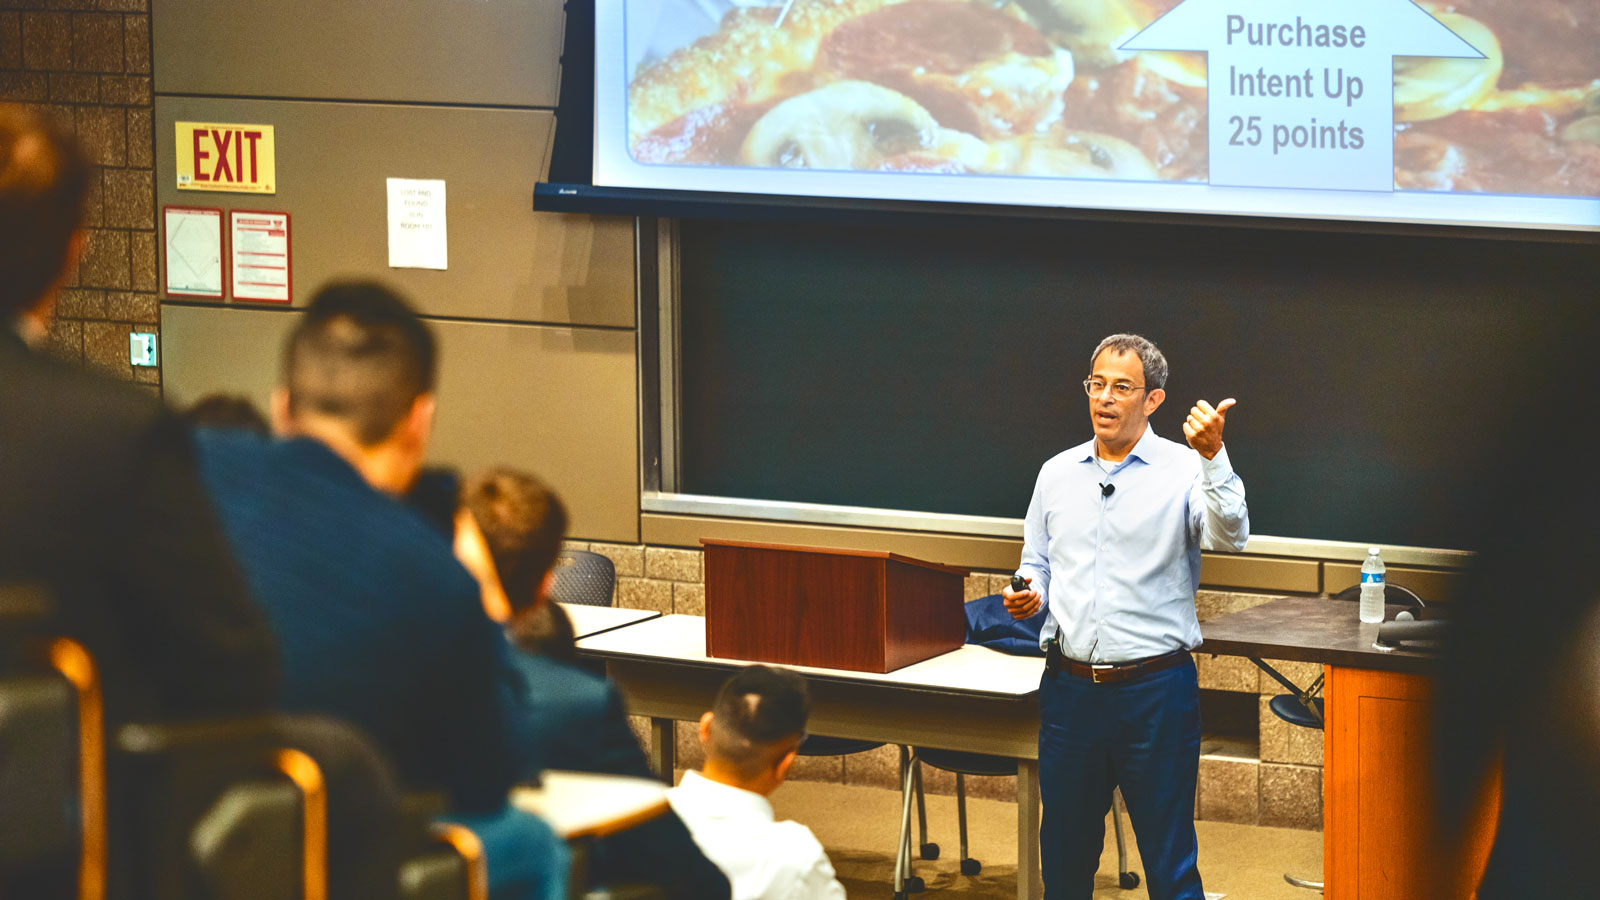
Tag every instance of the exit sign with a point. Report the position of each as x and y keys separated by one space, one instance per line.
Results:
x=233 y=158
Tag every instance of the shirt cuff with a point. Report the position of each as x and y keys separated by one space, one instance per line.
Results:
x=1217 y=469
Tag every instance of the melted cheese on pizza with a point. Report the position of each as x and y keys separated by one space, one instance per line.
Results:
x=1038 y=87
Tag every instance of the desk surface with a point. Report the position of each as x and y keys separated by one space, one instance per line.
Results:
x=583 y=804
x=969 y=670
x=1309 y=629
x=589 y=620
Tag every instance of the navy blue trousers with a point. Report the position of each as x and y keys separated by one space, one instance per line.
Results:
x=1142 y=735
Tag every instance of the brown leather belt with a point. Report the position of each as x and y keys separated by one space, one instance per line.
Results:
x=1107 y=673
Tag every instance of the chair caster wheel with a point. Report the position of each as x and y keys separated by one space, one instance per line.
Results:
x=930 y=851
x=914 y=885
x=971 y=867
x=1128 y=880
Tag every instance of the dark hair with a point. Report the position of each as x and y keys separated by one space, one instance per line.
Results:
x=228 y=412
x=523 y=522
x=545 y=630
x=359 y=356
x=757 y=715
x=44 y=179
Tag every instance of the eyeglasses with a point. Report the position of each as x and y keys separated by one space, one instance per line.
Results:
x=1121 y=390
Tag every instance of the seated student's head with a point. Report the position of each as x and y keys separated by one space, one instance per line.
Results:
x=358 y=375
x=227 y=412
x=523 y=523
x=44 y=180
x=755 y=727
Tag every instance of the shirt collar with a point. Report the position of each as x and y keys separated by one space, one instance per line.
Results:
x=726 y=799
x=1144 y=450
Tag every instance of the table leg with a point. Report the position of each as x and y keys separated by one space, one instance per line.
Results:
x=663 y=747
x=1029 y=883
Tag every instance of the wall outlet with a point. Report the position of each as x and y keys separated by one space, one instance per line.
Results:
x=142 y=348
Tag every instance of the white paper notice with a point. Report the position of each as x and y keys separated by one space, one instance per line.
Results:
x=417 y=235
x=261 y=269
x=194 y=251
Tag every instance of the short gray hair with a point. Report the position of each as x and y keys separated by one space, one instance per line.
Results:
x=1155 y=365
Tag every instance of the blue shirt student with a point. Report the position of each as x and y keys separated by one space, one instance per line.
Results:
x=1119 y=570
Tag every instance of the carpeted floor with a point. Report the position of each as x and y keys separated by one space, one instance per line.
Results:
x=858 y=826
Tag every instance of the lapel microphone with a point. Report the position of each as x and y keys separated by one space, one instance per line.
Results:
x=1107 y=489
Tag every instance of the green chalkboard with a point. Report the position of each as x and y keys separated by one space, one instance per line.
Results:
x=936 y=366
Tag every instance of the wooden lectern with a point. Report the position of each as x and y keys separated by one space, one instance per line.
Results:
x=836 y=609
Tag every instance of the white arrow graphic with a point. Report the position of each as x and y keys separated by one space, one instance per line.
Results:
x=1302 y=91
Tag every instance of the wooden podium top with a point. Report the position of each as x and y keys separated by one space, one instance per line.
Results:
x=834 y=551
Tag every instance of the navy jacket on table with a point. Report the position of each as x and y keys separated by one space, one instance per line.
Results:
x=100 y=500
x=378 y=623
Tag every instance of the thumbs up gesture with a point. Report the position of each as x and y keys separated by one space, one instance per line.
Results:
x=1203 y=428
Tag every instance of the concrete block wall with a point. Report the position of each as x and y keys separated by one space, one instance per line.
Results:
x=86 y=64
x=1279 y=785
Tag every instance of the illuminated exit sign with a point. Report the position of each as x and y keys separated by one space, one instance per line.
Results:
x=235 y=158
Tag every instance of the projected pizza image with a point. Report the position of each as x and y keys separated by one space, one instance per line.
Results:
x=1041 y=88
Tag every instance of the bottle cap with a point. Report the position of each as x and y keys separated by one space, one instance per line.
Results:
x=1372 y=551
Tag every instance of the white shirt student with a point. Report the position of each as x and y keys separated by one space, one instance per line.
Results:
x=764 y=859
x=750 y=738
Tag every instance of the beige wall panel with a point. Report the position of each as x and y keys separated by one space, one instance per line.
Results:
x=215 y=350
x=491 y=52
x=553 y=400
x=556 y=401
x=506 y=261
x=1260 y=573
x=1432 y=585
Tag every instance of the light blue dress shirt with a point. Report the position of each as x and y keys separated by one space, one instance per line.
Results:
x=1119 y=572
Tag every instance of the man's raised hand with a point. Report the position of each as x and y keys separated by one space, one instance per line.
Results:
x=1203 y=428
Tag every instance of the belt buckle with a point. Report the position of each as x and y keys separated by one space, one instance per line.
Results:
x=1096 y=669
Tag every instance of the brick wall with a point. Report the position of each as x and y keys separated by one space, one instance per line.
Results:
x=1269 y=774
x=86 y=63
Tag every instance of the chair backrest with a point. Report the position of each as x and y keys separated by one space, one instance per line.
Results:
x=583 y=578
x=38 y=773
x=52 y=753
x=222 y=810
x=243 y=845
x=453 y=869
x=1392 y=593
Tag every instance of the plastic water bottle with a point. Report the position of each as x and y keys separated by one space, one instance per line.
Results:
x=1372 y=587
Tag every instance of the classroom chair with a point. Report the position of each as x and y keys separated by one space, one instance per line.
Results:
x=583 y=578
x=53 y=771
x=221 y=809
x=449 y=865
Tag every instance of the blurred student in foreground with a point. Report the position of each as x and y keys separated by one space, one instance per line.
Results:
x=378 y=623
x=576 y=719
x=99 y=499
x=750 y=736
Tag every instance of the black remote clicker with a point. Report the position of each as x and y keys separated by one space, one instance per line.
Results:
x=1018 y=584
